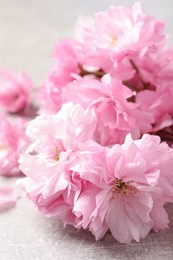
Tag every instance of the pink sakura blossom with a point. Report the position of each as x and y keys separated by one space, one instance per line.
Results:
x=155 y=68
x=122 y=189
x=153 y=71
x=72 y=125
x=153 y=83
x=116 y=116
x=119 y=32
x=53 y=138
x=68 y=58
x=12 y=141
x=7 y=198
x=125 y=187
x=121 y=41
x=14 y=91
x=159 y=104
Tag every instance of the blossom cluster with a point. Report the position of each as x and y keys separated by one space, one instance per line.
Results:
x=15 y=103
x=15 y=93
x=72 y=177
x=12 y=141
x=99 y=154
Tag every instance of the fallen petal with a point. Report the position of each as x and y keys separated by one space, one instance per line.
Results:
x=8 y=198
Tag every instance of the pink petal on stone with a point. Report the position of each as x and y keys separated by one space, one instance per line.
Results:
x=8 y=198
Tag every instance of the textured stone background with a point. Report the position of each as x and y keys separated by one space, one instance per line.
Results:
x=28 y=32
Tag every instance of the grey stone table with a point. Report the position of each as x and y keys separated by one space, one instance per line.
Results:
x=28 y=32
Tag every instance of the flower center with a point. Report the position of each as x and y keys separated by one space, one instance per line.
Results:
x=57 y=154
x=3 y=150
x=122 y=188
x=113 y=41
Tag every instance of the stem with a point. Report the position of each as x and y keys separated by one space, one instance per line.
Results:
x=129 y=84
x=97 y=74
x=134 y=66
x=165 y=136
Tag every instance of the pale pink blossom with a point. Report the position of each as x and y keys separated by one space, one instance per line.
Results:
x=67 y=64
x=125 y=188
x=151 y=72
x=152 y=82
x=122 y=189
x=159 y=104
x=12 y=141
x=119 y=32
x=8 y=198
x=120 y=41
x=72 y=125
x=116 y=116
x=155 y=68
x=53 y=139
x=47 y=187
x=14 y=91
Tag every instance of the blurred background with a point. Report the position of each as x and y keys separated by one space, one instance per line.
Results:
x=29 y=29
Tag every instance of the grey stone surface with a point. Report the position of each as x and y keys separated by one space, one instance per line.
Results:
x=28 y=32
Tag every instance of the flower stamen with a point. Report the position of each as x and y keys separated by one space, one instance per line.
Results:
x=122 y=188
x=57 y=154
x=113 y=41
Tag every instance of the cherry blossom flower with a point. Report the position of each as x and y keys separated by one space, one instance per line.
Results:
x=119 y=32
x=155 y=68
x=14 y=91
x=7 y=198
x=125 y=188
x=53 y=138
x=67 y=64
x=159 y=104
x=12 y=141
x=116 y=116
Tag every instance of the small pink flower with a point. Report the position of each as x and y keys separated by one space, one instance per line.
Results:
x=53 y=139
x=156 y=68
x=7 y=198
x=159 y=103
x=12 y=141
x=67 y=64
x=124 y=189
x=72 y=125
x=14 y=91
x=116 y=116
x=117 y=33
